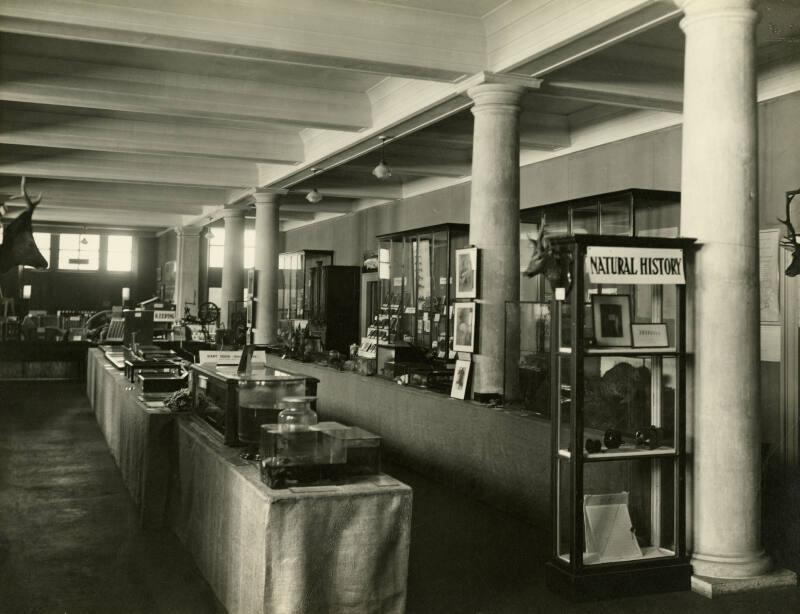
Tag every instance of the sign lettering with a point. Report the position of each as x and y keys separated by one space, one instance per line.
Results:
x=635 y=265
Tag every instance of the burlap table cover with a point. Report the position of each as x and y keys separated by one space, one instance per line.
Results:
x=340 y=549
x=139 y=438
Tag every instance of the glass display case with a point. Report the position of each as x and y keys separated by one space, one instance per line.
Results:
x=294 y=281
x=626 y=213
x=617 y=394
x=237 y=405
x=416 y=268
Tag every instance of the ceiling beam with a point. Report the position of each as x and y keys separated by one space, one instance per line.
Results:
x=537 y=38
x=134 y=168
x=340 y=34
x=42 y=127
x=60 y=82
x=657 y=96
x=102 y=217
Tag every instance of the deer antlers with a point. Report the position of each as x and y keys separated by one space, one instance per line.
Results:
x=789 y=241
x=32 y=202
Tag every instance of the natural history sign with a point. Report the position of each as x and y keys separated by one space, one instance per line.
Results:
x=634 y=265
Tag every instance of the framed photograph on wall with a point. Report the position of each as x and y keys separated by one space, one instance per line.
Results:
x=464 y=323
x=460 y=379
x=467 y=272
x=611 y=315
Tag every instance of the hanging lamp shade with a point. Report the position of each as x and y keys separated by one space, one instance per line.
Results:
x=314 y=195
x=383 y=170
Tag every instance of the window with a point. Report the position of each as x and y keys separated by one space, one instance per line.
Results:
x=216 y=248
x=249 y=249
x=42 y=240
x=79 y=252
x=120 y=253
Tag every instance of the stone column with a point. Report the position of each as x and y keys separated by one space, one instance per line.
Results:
x=494 y=229
x=720 y=208
x=187 y=273
x=233 y=263
x=267 y=227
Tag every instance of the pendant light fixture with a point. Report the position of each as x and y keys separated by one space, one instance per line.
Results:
x=383 y=170
x=84 y=240
x=314 y=195
x=209 y=232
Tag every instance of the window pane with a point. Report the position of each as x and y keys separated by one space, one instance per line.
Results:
x=64 y=257
x=119 y=261
x=218 y=237
x=89 y=243
x=120 y=253
x=249 y=257
x=120 y=243
x=216 y=256
x=70 y=241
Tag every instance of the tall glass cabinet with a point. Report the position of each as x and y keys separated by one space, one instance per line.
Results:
x=618 y=351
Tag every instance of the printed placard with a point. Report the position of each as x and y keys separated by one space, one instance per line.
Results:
x=634 y=265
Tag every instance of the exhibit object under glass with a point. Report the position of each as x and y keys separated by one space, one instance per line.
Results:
x=617 y=392
x=236 y=405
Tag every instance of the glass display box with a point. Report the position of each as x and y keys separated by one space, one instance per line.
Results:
x=617 y=348
x=236 y=405
x=415 y=318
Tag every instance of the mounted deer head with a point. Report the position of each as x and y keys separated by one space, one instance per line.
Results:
x=544 y=260
x=18 y=246
x=789 y=241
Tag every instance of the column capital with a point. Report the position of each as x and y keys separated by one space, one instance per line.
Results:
x=232 y=213
x=498 y=92
x=188 y=231
x=697 y=10
x=263 y=197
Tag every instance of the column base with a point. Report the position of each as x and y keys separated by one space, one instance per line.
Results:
x=731 y=567
x=716 y=587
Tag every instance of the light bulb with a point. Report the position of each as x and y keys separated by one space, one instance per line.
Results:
x=314 y=196
x=382 y=171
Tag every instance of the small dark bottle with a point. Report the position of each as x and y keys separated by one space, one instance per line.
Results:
x=612 y=439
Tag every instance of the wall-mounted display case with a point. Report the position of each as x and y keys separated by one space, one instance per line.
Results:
x=618 y=417
x=416 y=270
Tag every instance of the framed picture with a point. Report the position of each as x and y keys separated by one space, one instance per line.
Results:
x=460 y=379
x=467 y=272
x=464 y=327
x=611 y=315
x=649 y=335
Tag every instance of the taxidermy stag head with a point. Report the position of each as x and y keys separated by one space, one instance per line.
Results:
x=789 y=241
x=545 y=261
x=18 y=246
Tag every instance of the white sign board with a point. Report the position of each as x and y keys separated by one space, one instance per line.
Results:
x=634 y=265
x=228 y=357
x=163 y=315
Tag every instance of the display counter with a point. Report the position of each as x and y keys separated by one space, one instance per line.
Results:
x=313 y=549
x=140 y=438
x=499 y=456
x=43 y=359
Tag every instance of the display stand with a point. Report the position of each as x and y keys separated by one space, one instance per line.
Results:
x=618 y=417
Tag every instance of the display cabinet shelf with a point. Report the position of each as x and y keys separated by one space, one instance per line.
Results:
x=592 y=351
x=618 y=514
x=621 y=453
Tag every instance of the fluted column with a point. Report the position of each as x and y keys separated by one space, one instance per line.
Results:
x=233 y=263
x=720 y=208
x=267 y=227
x=187 y=274
x=494 y=229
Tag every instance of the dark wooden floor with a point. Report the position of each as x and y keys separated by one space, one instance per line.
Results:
x=70 y=543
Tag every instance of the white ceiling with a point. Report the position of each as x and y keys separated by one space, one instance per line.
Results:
x=159 y=112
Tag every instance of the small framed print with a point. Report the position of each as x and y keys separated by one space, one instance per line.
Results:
x=460 y=379
x=611 y=316
x=650 y=335
x=464 y=327
x=467 y=272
